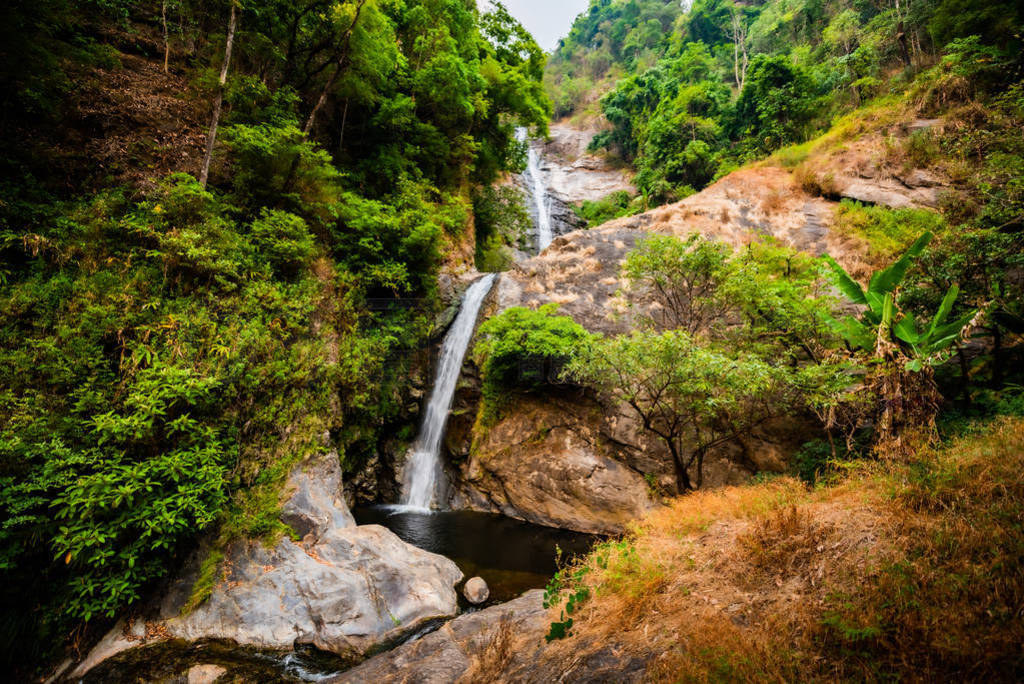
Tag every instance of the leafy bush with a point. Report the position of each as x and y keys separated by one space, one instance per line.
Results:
x=608 y=208
x=283 y=239
x=524 y=349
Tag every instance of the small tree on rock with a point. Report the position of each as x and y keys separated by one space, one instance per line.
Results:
x=693 y=398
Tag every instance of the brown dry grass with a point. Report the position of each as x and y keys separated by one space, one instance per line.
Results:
x=912 y=572
x=494 y=658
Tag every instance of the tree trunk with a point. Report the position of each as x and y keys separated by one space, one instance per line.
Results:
x=682 y=477
x=997 y=357
x=342 y=63
x=965 y=391
x=167 y=44
x=341 y=135
x=901 y=38
x=211 y=138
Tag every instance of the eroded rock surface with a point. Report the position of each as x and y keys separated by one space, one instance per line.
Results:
x=343 y=588
x=575 y=175
x=504 y=643
x=448 y=654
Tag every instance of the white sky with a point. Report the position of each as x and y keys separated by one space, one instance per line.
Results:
x=547 y=20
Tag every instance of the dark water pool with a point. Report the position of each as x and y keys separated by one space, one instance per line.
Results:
x=511 y=555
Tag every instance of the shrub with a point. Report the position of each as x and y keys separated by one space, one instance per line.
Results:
x=283 y=239
x=608 y=208
x=522 y=349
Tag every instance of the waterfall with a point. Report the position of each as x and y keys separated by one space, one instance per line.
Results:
x=423 y=469
x=537 y=184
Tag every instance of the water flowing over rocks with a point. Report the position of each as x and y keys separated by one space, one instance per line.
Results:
x=344 y=588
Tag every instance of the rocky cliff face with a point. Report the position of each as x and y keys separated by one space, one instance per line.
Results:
x=574 y=174
x=342 y=588
x=577 y=461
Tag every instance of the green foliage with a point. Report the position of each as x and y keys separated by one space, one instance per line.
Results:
x=608 y=208
x=703 y=287
x=524 y=349
x=570 y=582
x=886 y=231
x=152 y=357
x=502 y=224
x=692 y=397
x=282 y=239
x=881 y=316
x=792 y=66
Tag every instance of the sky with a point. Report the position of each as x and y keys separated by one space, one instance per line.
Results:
x=547 y=20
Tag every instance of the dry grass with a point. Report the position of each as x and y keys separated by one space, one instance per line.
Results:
x=912 y=572
x=814 y=183
x=493 y=660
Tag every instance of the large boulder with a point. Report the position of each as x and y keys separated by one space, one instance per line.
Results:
x=504 y=643
x=342 y=588
x=351 y=590
x=548 y=463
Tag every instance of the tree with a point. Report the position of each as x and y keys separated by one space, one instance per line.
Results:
x=684 y=276
x=693 y=398
x=738 y=34
x=341 y=61
x=218 y=101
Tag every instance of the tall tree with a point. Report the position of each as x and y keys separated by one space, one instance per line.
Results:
x=218 y=101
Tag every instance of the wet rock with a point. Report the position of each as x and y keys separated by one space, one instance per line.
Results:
x=344 y=589
x=476 y=590
x=205 y=674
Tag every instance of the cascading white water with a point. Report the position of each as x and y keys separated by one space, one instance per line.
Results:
x=423 y=469
x=535 y=180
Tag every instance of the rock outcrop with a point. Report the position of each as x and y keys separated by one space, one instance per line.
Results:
x=448 y=654
x=503 y=643
x=574 y=175
x=343 y=588
x=548 y=463
x=576 y=461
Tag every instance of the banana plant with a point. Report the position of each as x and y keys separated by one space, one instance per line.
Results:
x=880 y=313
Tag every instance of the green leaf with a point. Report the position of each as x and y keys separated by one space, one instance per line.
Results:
x=906 y=330
x=944 y=309
x=888 y=279
x=847 y=285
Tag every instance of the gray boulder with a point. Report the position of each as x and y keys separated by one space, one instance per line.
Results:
x=343 y=588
